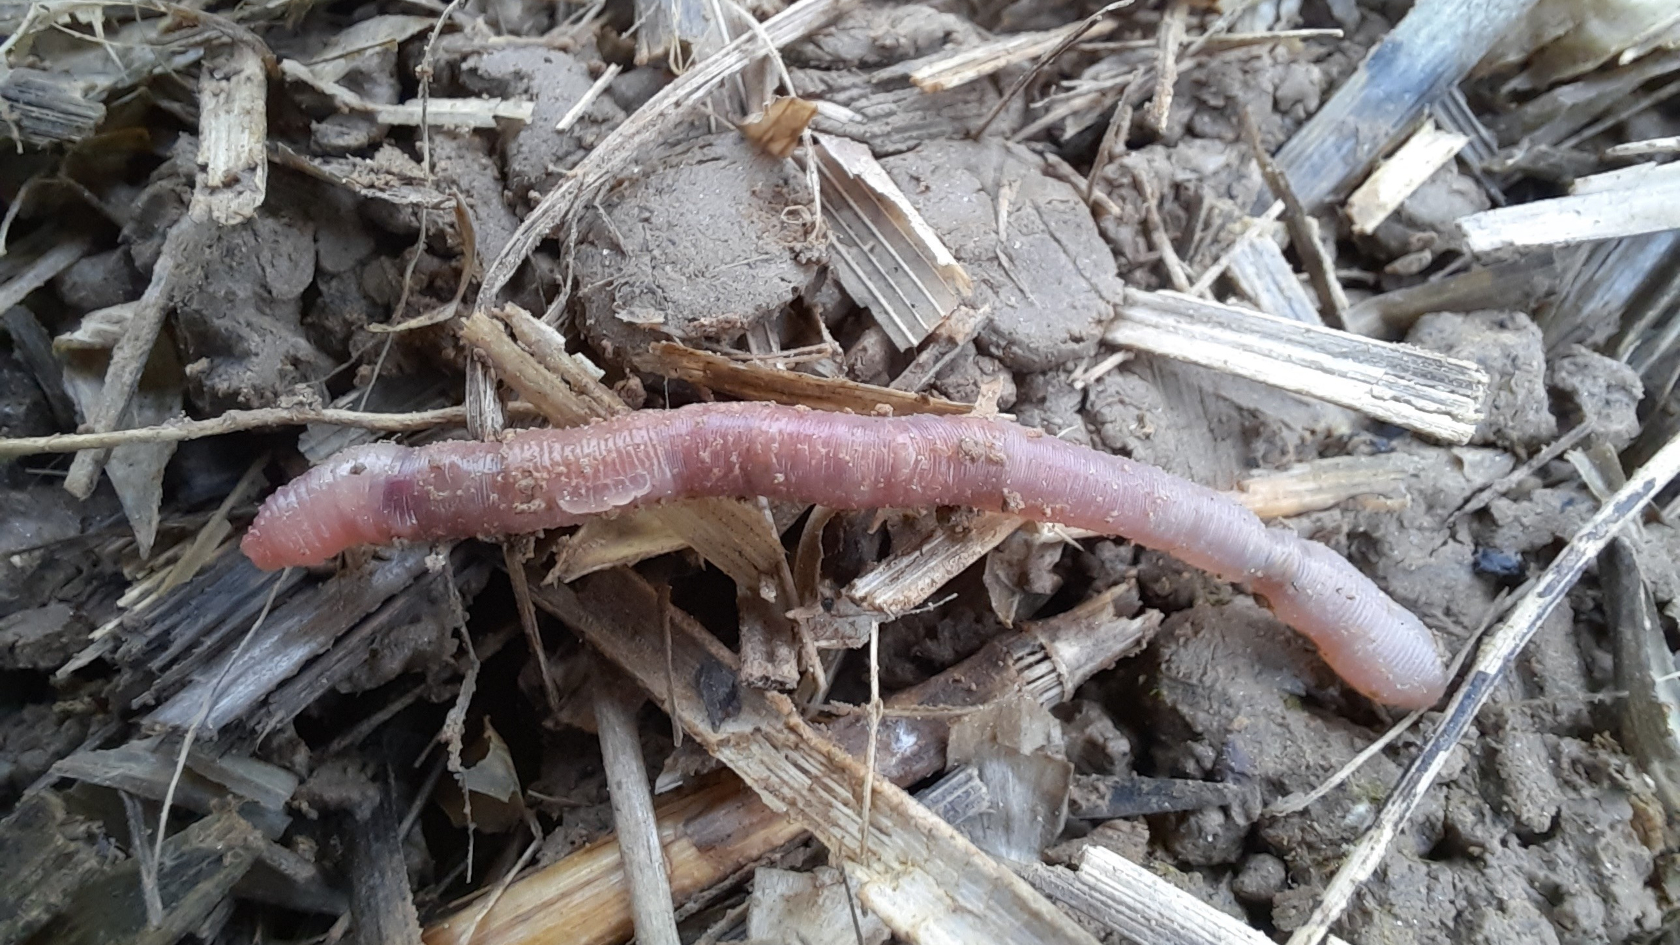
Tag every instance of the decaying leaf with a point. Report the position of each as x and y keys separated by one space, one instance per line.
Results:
x=776 y=130
x=491 y=784
x=1016 y=746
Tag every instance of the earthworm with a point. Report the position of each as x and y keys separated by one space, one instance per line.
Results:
x=539 y=479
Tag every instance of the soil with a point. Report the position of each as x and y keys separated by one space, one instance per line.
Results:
x=1543 y=827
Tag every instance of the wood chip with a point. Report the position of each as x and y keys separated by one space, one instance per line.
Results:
x=1138 y=904
x=233 y=133
x=1649 y=208
x=439 y=112
x=1425 y=152
x=902 y=582
x=1260 y=271
x=1427 y=53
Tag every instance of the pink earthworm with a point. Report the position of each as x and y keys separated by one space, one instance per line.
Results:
x=539 y=479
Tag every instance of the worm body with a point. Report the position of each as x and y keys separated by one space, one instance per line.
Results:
x=541 y=479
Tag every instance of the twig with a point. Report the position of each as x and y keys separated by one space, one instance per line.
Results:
x=185 y=241
x=502 y=886
x=453 y=733
x=875 y=708
x=1114 y=137
x=1332 y=301
x=1158 y=230
x=670 y=665
x=37 y=273
x=1497 y=487
x=632 y=805
x=1088 y=376
x=1495 y=657
x=1216 y=33
x=423 y=72
x=1645 y=148
x=234 y=421
x=1168 y=39
x=582 y=105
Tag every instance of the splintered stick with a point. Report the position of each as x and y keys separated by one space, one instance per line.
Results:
x=541 y=479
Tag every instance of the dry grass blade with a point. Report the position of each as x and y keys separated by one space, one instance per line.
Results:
x=951 y=70
x=1491 y=663
x=431 y=112
x=758 y=382
x=1303 y=230
x=1066 y=42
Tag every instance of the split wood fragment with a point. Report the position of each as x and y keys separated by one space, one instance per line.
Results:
x=1401 y=384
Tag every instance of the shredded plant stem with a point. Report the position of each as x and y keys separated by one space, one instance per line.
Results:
x=542 y=479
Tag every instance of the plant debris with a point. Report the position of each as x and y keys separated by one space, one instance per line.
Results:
x=1402 y=279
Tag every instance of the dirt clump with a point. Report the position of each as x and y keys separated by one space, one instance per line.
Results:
x=1048 y=281
x=1508 y=345
x=689 y=253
